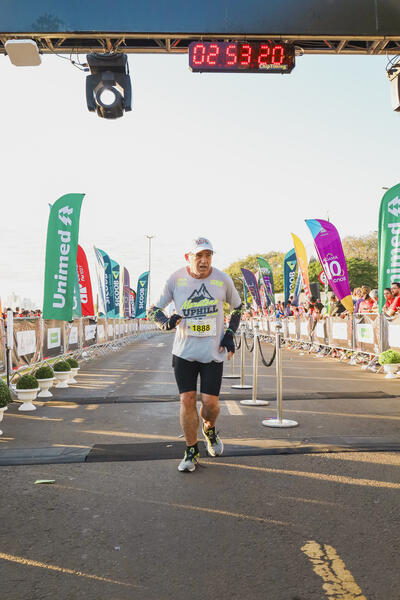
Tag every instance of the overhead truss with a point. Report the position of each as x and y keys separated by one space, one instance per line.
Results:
x=82 y=43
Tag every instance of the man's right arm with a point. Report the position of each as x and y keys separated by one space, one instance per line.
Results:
x=156 y=313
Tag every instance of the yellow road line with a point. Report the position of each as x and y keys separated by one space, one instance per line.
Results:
x=339 y=583
x=32 y=418
x=339 y=414
x=34 y=563
x=312 y=475
x=132 y=435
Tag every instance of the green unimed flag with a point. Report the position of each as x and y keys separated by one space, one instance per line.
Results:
x=389 y=241
x=61 y=251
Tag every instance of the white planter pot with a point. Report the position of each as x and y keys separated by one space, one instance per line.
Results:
x=62 y=378
x=391 y=370
x=45 y=385
x=26 y=397
x=74 y=373
x=4 y=408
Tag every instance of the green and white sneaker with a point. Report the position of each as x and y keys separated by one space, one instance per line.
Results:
x=190 y=460
x=214 y=444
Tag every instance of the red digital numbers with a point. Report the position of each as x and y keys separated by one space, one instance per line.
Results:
x=241 y=56
x=199 y=54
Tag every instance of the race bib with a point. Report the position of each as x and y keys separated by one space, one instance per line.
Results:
x=201 y=327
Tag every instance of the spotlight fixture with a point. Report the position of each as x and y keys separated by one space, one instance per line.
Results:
x=108 y=88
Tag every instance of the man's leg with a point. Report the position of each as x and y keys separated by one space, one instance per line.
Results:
x=209 y=410
x=189 y=417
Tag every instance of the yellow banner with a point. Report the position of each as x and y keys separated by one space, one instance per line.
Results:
x=302 y=263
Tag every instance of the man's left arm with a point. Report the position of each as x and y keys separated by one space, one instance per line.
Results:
x=233 y=298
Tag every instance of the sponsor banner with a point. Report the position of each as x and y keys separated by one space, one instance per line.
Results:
x=89 y=336
x=61 y=252
x=246 y=295
x=305 y=329
x=110 y=330
x=340 y=332
x=252 y=285
x=297 y=290
x=392 y=337
x=292 y=325
x=53 y=342
x=267 y=279
x=289 y=272
x=2 y=347
x=141 y=296
x=389 y=241
x=115 y=271
x=27 y=342
x=302 y=262
x=319 y=331
x=101 y=332
x=367 y=333
x=85 y=284
x=72 y=335
x=126 y=294
x=108 y=285
x=76 y=305
x=100 y=269
x=132 y=299
x=329 y=248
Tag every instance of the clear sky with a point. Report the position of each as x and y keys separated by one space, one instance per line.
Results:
x=240 y=159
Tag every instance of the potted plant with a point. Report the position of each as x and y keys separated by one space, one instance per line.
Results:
x=45 y=377
x=27 y=389
x=390 y=360
x=73 y=363
x=5 y=399
x=62 y=372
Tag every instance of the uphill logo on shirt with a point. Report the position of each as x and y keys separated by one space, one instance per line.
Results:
x=200 y=303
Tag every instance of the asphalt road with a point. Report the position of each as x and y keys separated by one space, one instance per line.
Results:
x=291 y=514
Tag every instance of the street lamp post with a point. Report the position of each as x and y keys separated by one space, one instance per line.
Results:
x=149 y=237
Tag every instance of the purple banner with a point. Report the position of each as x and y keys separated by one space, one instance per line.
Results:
x=126 y=291
x=330 y=253
x=251 y=282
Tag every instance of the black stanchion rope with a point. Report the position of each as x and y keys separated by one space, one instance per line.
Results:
x=237 y=345
x=264 y=362
x=247 y=345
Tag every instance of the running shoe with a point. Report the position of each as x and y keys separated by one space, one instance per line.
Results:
x=189 y=461
x=214 y=444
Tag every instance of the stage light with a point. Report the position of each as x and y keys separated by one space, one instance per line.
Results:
x=108 y=88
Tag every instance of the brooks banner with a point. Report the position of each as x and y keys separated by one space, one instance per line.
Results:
x=115 y=270
x=268 y=279
x=132 y=298
x=85 y=285
x=251 y=281
x=303 y=264
x=330 y=253
x=289 y=271
x=389 y=241
x=141 y=296
x=61 y=251
x=125 y=296
x=108 y=285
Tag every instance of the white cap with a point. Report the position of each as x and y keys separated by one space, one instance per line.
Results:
x=200 y=244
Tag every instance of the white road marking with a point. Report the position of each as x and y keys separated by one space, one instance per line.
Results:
x=233 y=407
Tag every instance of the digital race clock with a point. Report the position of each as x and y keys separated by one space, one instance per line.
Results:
x=241 y=57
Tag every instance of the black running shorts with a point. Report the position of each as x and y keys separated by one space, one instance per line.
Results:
x=187 y=371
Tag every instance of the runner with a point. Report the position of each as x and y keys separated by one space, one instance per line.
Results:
x=200 y=346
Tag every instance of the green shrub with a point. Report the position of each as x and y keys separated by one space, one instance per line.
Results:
x=5 y=394
x=72 y=363
x=45 y=372
x=61 y=365
x=389 y=357
x=27 y=382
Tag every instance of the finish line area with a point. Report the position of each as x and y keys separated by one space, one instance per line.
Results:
x=125 y=407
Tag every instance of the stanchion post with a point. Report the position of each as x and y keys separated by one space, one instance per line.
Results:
x=254 y=401
x=241 y=385
x=279 y=421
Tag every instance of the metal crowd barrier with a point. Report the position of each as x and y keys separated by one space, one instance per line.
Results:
x=36 y=341
x=366 y=334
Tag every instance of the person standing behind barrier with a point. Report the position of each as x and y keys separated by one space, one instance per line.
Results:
x=200 y=346
x=394 y=306
x=387 y=292
x=367 y=302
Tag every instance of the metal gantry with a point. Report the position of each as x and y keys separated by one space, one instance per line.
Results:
x=153 y=43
